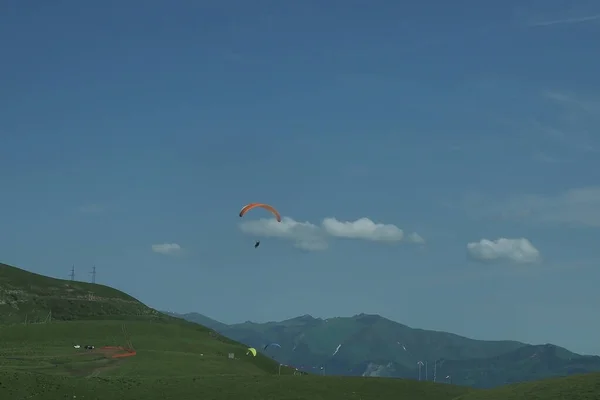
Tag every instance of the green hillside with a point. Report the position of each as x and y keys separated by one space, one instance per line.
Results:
x=162 y=350
x=375 y=346
x=580 y=387
x=34 y=298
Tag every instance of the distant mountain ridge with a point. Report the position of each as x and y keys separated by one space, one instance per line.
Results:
x=371 y=345
x=199 y=319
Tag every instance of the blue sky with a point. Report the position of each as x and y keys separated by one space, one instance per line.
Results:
x=125 y=125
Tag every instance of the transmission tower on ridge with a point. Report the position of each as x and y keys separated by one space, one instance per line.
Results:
x=93 y=274
x=72 y=274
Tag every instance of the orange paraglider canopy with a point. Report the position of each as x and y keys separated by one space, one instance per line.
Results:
x=251 y=206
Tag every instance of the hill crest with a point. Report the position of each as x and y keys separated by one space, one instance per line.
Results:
x=29 y=297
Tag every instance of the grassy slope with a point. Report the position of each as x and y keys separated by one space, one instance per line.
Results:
x=226 y=387
x=579 y=387
x=163 y=350
x=25 y=296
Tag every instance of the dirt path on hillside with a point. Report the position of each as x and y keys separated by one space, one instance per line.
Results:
x=95 y=372
x=110 y=354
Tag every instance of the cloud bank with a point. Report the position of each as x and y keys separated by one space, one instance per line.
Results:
x=514 y=250
x=312 y=237
x=169 y=249
x=364 y=229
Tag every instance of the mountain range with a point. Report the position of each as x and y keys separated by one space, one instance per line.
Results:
x=371 y=345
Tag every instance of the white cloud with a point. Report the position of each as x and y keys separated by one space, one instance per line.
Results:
x=363 y=228
x=309 y=236
x=168 y=249
x=515 y=250
x=305 y=235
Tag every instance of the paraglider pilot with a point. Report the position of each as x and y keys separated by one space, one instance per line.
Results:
x=257 y=244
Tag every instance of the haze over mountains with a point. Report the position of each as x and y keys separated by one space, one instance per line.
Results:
x=370 y=345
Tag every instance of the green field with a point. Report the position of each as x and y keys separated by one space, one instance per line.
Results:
x=577 y=387
x=176 y=359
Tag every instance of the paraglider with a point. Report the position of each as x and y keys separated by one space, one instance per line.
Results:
x=267 y=207
x=271 y=344
x=251 y=350
x=336 y=350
